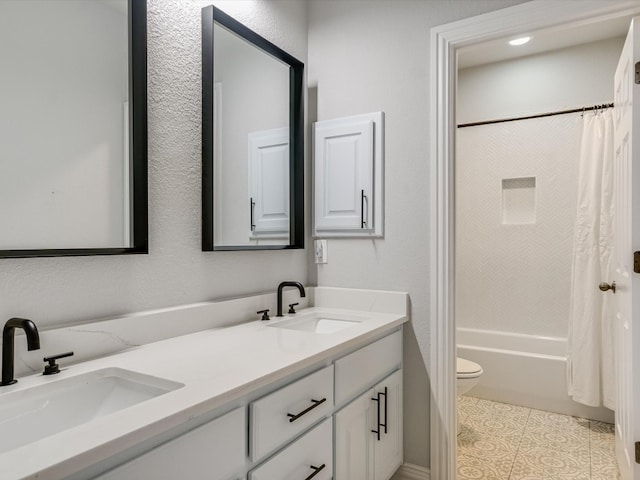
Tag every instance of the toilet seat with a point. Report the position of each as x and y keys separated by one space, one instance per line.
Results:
x=467 y=369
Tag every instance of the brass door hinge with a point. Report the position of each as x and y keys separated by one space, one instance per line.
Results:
x=636 y=262
x=637 y=452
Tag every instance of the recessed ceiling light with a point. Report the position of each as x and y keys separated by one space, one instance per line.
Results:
x=519 y=41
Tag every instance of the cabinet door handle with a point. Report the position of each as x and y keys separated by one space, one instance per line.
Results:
x=363 y=197
x=377 y=400
x=316 y=470
x=386 y=400
x=294 y=416
x=252 y=204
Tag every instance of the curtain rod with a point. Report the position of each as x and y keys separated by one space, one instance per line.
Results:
x=540 y=115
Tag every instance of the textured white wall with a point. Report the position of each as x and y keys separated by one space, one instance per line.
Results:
x=371 y=56
x=55 y=291
x=516 y=278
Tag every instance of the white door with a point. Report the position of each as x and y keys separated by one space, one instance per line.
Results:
x=627 y=202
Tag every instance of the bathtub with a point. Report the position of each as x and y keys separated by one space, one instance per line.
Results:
x=525 y=370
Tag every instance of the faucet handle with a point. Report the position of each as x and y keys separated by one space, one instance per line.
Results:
x=53 y=367
x=265 y=314
x=291 y=309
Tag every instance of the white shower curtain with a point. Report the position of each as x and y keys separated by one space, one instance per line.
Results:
x=590 y=360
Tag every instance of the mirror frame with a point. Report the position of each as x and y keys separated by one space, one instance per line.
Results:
x=211 y=15
x=137 y=32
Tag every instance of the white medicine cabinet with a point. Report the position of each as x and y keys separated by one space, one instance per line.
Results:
x=348 y=176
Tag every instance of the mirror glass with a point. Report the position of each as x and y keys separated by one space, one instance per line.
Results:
x=251 y=161
x=72 y=127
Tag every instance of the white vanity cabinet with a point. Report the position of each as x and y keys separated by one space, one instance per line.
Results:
x=361 y=452
x=358 y=453
x=215 y=451
x=300 y=431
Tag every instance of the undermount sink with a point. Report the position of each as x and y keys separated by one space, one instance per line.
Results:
x=37 y=412
x=319 y=322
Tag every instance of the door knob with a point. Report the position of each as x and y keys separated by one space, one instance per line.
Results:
x=604 y=286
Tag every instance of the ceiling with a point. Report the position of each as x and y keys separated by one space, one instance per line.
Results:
x=542 y=41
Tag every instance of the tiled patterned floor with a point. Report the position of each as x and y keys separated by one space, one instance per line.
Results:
x=498 y=441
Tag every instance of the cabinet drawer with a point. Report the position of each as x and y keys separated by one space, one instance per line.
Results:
x=300 y=460
x=361 y=369
x=214 y=451
x=283 y=414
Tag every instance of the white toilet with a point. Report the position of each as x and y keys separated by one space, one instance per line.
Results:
x=468 y=375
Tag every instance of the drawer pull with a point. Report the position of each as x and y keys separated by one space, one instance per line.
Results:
x=377 y=400
x=252 y=205
x=385 y=409
x=293 y=417
x=316 y=470
x=380 y=424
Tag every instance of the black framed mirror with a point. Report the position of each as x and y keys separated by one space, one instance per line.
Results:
x=252 y=140
x=73 y=127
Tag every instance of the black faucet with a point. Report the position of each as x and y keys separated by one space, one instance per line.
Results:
x=298 y=285
x=33 y=343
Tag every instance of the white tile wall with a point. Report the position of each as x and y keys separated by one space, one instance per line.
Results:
x=516 y=277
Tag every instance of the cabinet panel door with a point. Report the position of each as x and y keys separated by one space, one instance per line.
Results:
x=310 y=453
x=388 y=451
x=354 y=445
x=215 y=451
x=269 y=181
x=343 y=175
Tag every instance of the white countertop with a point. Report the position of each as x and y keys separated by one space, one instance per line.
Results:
x=216 y=366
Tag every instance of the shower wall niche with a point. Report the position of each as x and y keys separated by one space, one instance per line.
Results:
x=518 y=200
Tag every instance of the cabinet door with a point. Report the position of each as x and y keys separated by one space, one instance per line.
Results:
x=348 y=176
x=343 y=175
x=269 y=182
x=215 y=451
x=388 y=451
x=354 y=445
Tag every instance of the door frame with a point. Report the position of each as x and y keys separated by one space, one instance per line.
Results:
x=445 y=41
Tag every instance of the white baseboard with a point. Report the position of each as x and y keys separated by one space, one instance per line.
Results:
x=409 y=471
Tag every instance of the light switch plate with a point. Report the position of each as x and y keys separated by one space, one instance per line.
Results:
x=321 y=251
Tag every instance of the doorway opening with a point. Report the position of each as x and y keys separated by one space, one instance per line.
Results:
x=447 y=41
x=521 y=123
